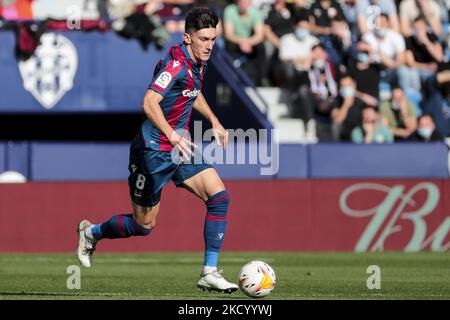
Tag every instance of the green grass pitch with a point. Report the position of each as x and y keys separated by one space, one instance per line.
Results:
x=173 y=276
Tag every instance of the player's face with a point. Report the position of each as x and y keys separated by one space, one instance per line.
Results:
x=200 y=43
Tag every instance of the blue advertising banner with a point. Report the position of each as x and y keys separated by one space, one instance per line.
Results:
x=76 y=72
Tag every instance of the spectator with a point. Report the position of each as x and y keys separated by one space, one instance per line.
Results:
x=322 y=13
x=295 y=54
x=322 y=77
x=399 y=114
x=438 y=104
x=347 y=115
x=388 y=49
x=300 y=9
x=172 y=12
x=244 y=35
x=350 y=13
x=426 y=130
x=138 y=22
x=280 y=21
x=424 y=53
x=366 y=74
x=368 y=10
x=263 y=6
x=411 y=9
x=372 y=130
x=340 y=43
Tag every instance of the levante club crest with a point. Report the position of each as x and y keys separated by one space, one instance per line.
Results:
x=49 y=73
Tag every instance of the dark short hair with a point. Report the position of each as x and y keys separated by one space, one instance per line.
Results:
x=200 y=18
x=319 y=45
x=385 y=15
x=346 y=75
x=423 y=115
x=420 y=18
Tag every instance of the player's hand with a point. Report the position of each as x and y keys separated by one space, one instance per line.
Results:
x=183 y=145
x=221 y=135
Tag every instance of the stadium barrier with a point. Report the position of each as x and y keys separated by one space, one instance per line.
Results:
x=291 y=215
x=83 y=161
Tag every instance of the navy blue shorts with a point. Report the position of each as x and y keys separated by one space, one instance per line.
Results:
x=151 y=170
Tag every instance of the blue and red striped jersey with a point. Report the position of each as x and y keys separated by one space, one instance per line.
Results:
x=178 y=79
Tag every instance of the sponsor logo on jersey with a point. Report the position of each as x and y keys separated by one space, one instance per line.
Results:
x=191 y=93
x=163 y=79
x=49 y=73
x=176 y=63
x=190 y=73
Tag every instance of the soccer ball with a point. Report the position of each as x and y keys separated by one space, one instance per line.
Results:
x=257 y=279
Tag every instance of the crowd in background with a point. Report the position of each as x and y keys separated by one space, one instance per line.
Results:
x=368 y=71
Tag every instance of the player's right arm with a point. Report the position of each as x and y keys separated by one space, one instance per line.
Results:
x=154 y=113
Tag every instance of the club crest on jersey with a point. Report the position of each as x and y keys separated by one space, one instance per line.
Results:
x=191 y=93
x=163 y=79
x=49 y=73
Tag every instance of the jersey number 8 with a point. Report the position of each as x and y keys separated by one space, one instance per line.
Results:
x=140 y=182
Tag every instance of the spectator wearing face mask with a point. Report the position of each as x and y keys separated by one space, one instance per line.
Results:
x=426 y=130
x=347 y=115
x=295 y=53
x=372 y=130
x=296 y=56
x=388 y=49
x=399 y=114
x=438 y=104
x=366 y=74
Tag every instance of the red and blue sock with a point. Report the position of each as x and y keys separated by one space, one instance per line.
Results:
x=215 y=226
x=119 y=226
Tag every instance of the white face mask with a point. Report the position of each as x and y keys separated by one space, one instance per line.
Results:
x=319 y=64
x=380 y=33
x=425 y=132
x=395 y=106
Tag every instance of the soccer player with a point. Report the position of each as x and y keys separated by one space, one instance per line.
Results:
x=168 y=102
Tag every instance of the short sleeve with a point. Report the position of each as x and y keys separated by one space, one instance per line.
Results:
x=411 y=110
x=399 y=42
x=166 y=74
x=258 y=17
x=228 y=14
x=388 y=135
x=361 y=7
x=357 y=135
x=391 y=9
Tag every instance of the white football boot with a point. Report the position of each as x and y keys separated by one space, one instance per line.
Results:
x=216 y=282
x=86 y=247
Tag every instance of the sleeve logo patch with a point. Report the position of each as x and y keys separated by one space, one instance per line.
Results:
x=163 y=80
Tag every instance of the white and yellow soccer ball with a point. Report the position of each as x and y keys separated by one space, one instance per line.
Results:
x=257 y=279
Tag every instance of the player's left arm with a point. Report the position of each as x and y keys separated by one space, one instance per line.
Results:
x=220 y=134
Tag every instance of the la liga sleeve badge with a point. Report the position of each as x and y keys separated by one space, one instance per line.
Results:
x=163 y=80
